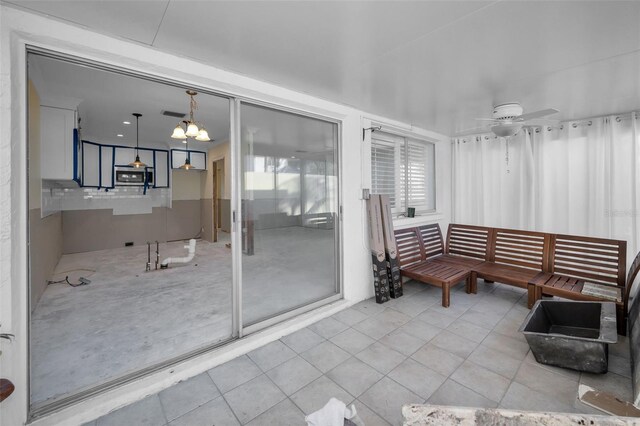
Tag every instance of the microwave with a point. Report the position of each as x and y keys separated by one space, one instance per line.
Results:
x=129 y=176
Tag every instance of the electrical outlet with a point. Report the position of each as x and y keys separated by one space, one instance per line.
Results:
x=366 y=194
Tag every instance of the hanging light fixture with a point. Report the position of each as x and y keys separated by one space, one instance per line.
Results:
x=137 y=163
x=191 y=128
x=187 y=162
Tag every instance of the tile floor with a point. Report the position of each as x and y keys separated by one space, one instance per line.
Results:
x=76 y=330
x=379 y=357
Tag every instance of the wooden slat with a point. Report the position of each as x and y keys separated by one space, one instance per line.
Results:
x=585 y=275
x=508 y=261
x=610 y=260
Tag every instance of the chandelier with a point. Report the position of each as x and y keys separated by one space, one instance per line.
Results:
x=191 y=129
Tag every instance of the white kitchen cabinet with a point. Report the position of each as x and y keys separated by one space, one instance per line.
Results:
x=106 y=167
x=56 y=143
x=91 y=164
x=197 y=159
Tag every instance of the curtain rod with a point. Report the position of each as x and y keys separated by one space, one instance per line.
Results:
x=574 y=123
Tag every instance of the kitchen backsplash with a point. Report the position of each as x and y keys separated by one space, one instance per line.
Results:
x=123 y=200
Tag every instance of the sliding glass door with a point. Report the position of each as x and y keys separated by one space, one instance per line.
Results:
x=289 y=202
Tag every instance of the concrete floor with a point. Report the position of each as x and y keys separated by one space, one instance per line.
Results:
x=379 y=357
x=127 y=319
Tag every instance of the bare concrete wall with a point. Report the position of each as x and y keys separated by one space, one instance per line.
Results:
x=225 y=215
x=206 y=218
x=184 y=219
x=45 y=249
x=91 y=230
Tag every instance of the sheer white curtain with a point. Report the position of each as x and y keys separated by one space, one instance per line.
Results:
x=581 y=178
x=493 y=181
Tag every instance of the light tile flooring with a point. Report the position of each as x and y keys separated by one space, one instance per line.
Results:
x=379 y=357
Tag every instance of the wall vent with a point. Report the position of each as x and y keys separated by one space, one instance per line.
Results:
x=174 y=114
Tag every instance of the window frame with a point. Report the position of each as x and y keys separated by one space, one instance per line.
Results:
x=400 y=141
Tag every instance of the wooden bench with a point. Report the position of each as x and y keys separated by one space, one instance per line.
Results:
x=574 y=261
x=420 y=255
x=543 y=263
x=514 y=257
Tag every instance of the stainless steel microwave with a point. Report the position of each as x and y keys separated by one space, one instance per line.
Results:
x=129 y=176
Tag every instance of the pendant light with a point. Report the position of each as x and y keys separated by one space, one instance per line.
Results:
x=191 y=128
x=187 y=162
x=137 y=163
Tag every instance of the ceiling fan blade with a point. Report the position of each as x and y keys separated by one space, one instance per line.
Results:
x=537 y=114
x=471 y=131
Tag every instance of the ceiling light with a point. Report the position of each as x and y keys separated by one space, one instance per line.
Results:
x=187 y=162
x=203 y=135
x=126 y=122
x=137 y=163
x=191 y=128
x=187 y=165
x=178 y=133
x=506 y=130
x=120 y=135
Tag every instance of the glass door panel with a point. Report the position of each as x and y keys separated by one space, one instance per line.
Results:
x=289 y=190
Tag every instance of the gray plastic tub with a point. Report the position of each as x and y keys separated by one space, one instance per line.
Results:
x=571 y=334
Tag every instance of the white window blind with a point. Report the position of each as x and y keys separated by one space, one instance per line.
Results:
x=383 y=169
x=404 y=169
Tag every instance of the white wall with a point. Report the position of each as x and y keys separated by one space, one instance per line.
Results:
x=18 y=29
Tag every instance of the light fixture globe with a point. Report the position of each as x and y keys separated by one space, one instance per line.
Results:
x=137 y=163
x=187 y=165
x=192 y=130
x=203 y=135
x=178 y=133
x=506 y=130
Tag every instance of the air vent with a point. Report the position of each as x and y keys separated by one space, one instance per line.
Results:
x=173 y=114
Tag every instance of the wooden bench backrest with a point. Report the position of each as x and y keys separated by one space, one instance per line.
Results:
x=468 y=240
x=592 y=259
x=431 y=240
x=409 y=246
x=525 y=249
x=633 y=327
x=631 y=276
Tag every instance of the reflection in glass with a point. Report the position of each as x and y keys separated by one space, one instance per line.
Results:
x=95 y=226
x=289 y=198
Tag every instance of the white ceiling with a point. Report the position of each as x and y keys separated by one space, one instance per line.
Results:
x=108 y=99
x=434 y=64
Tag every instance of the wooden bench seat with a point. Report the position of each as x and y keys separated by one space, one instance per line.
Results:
x=506 y=274
x=421 y=257
x=442 y=275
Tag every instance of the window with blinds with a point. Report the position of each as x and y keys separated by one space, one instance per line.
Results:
x=404 y=169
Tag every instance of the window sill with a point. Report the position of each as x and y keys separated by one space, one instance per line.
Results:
x=423 y=219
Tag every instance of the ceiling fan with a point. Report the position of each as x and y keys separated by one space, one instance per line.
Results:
x=508 y=118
